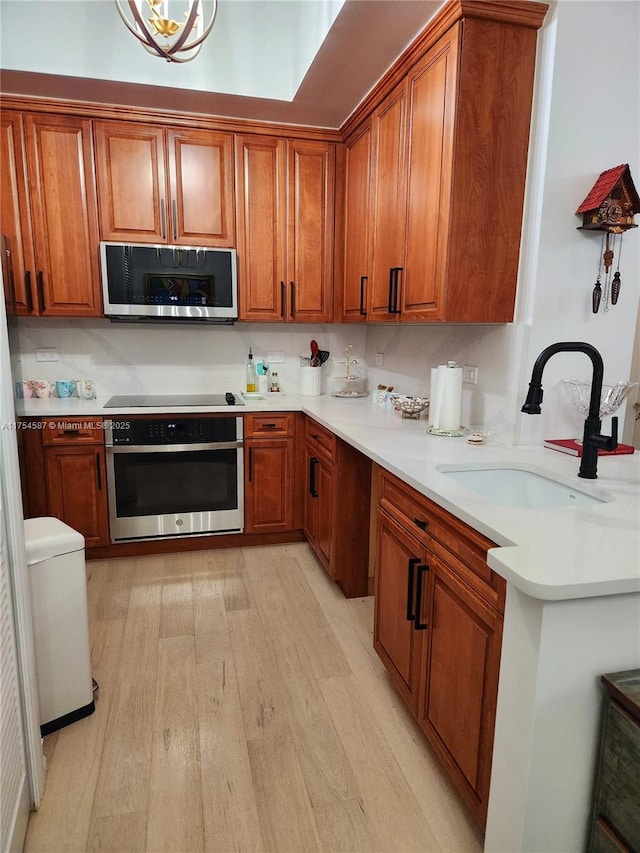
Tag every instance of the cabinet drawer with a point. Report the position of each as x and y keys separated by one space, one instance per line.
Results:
x=619 y=776
x=258 y=426
x=321 y=440
x=72 y=430
x=461 y=547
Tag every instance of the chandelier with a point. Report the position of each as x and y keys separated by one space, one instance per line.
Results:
x=149 y=22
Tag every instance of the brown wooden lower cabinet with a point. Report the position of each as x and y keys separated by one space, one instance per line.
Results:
x=269 y=472
x=66 y=476
x=337 y=498
x=438 y=630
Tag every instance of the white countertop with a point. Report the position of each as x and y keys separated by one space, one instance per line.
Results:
x=562 y=553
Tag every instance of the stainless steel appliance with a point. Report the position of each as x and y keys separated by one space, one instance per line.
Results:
x=168 y=283
x=158 y=401
x=170 y=476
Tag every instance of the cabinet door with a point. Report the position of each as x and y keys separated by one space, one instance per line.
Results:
x=310 y=181
x=64 y=211
x=397 y=639
x=15 y=216
x=76 y=490
x=201 y=183
x=357 y=250
x=131 y=182
x=432 y=92
x=261 y=200
x=319 y=516
x=389 y=216
x=269 y=467
x=460 y=683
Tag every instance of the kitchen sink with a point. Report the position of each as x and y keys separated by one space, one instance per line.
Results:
x=512 y=485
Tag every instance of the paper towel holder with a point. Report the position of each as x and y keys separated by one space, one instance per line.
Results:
x=449 y=431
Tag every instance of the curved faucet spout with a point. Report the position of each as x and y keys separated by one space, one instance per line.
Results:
x=592 y=439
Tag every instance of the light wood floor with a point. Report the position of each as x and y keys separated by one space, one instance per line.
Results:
x=241 y=708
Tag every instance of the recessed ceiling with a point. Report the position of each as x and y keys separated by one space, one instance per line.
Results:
x=295 y=61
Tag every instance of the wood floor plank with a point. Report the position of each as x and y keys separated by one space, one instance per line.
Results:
x=286 y=816
x=121 y=833
x=328 y=776
x=344 y=827
x=123 y=782
x=383 y=787
x=229 y=804
x=213 y=641
x=176 y=616
x=260 y=681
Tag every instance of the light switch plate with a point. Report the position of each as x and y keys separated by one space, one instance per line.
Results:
x=275 y=357
x=46 y=354
x=470 y=374
x=379 y=359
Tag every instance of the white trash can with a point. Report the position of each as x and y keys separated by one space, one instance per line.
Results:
x=55 y=557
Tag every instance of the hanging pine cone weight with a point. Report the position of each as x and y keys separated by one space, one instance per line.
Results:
x=596 y=296
x=616 y=284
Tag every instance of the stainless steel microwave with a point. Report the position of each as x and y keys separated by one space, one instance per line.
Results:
x=168 y=283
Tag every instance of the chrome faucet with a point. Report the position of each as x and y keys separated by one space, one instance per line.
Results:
x=592 y=439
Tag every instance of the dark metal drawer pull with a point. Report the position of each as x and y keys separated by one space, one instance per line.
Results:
x=411 y=574
x=418 y=625
x=421 y=524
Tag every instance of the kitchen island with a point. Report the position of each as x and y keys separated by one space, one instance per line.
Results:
x=572 y=608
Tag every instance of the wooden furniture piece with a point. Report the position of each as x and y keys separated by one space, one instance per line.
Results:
x=440 y=183
x=285 y=194
x=66 y=475
x=165 y=185
x=615 y=824
x=49 y=213
x=269 y=472
x=337 y=506
x=438 y=628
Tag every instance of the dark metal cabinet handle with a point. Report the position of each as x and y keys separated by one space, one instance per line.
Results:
x=174 y=207
x=163 y=220
x=312 y=477
x=292 y=284
x=250 y=464
x=99 y=475
x=396 y=274
x=71 y=432
x=390 y=305
x=269 y=426
x=27 y=288
x=417 y=624
x=411 y=573
x=363 y=279
x=40 y=287
x=420 y=523
x=283 y=298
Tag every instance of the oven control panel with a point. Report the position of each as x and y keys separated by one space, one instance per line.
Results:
x=174 y=430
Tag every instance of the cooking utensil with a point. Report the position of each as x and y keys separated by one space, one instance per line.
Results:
x=323 y=355
x=315 y=360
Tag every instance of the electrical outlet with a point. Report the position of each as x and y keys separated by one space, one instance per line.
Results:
x=49 y=354
x=470 y=375
x=275 y=357
x=379 y=359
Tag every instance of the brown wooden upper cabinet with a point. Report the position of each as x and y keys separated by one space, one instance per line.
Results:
x=436 y=175
x=285 y=195
x=49 y=212
x=165 y=185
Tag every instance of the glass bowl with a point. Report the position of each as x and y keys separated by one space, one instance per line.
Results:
x=613 y=395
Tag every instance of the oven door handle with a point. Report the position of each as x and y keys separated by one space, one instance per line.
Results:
x=112 y=449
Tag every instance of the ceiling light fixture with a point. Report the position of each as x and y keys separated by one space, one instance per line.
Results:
x=161 y=35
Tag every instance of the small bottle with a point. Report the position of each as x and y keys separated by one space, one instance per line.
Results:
x=275 y=385
x=263 y=378
x=251 y=375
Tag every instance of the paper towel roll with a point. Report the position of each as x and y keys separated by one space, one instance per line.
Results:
x=445 y=404
x=309 y=385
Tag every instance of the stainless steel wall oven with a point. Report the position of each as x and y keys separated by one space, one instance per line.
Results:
x=171 y=476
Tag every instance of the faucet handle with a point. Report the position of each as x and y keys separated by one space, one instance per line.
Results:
x=607 y=442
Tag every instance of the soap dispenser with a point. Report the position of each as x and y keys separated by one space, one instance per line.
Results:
x=251 y=375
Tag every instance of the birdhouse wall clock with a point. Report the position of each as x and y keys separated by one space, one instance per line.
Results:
x=610 y=208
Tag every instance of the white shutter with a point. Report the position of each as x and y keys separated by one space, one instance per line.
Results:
x=13 y=768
